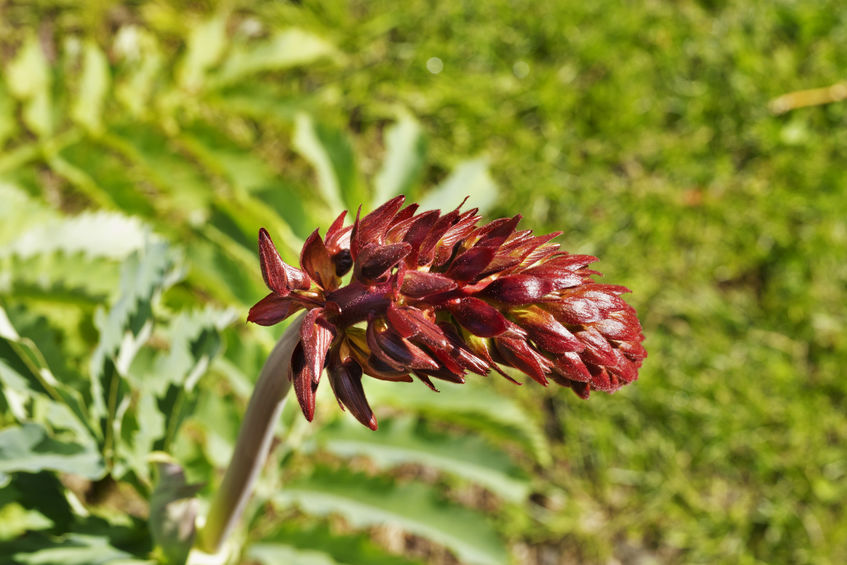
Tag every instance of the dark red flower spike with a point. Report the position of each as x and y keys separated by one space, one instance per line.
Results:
x=441 y=297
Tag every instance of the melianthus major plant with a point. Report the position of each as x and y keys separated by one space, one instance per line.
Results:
x=430 y=295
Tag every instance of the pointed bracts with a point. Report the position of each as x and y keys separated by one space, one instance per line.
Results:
x=437 y=296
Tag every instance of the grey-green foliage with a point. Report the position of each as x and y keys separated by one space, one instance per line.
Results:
x=52 y=429
x=372 y=501
x=138 y=173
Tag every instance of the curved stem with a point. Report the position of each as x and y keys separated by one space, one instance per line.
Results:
x=253 y=443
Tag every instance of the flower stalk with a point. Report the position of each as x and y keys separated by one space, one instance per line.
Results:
x=253 y=443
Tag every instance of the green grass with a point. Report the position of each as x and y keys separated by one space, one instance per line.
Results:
x=643 y=131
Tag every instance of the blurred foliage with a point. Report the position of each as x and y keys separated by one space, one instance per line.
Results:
x=154 y=138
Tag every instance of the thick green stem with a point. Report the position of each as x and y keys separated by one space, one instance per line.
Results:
x=253 y=443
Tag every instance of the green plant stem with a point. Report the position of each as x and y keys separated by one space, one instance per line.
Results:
x=253 y=443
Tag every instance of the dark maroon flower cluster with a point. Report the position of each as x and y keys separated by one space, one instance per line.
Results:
x=437 y=296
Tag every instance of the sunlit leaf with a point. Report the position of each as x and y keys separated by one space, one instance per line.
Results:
x=474 y=405
x=78 y=549
x=318 y=544
x=143 y=62
x=403 y=164
x=20 y=212
x=185 y=190
x=400 y=441
x=93 y=166
x=284 y=49
x=32 y=390
x=173 y=510
x=330 y=153
x=16 y=520
x=470 y=178
x=367 y=501
x=243 y=168
x=28 y=79
x=28 y=74
x=206 y=44
x=124 y=329
x=30 y=449
x=92 y=234
x=94 y=84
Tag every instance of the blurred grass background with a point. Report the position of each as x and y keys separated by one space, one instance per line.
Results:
x=643 y=130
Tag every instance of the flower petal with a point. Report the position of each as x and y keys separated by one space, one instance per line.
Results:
x=416 y=233
x=545 y=331
x=477 y=316
x=517 y=289
x=426 y=252
x=395 y=351
x=496 y=232
x=316 y=335
x=273 y=309
x=597 y=349
x=406 y=319
x=375 y=259
x=315 y=260
x=279 y=276
x=401 y=322
x=372 y=227
x=571 y=366
x=619 y=327
x=443 y=374
x=345 y=377
x=420 y=284
x=575 y=311
x=302 y=382
x=517 y=353
x=469 y=264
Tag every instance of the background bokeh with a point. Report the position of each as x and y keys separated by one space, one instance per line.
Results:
x=646 y=131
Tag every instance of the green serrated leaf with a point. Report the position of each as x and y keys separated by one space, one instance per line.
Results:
x=404 y=160
x=261 y=100
x=401 y=441
x=470 y=178
x=79 y=549
x=33 y=391
x=93 y=87
x=243 y=168
x=29 y=448
x=123 y=330
x=284 y=49
x=173 y=510
x=107 y=235
x=20 y=212
x=58 y=278
x=28 y=74
x=367 y=501
x=206 y=44
x=331 y=154
x=474 y=405
x=28 y=79
x=93 y=167
x=143 y=64
x=272 y=553
x=300 y=543
x=16 y=520
x=185 y=190
x=195 y=340
x=164 y=380
x=38 y=115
